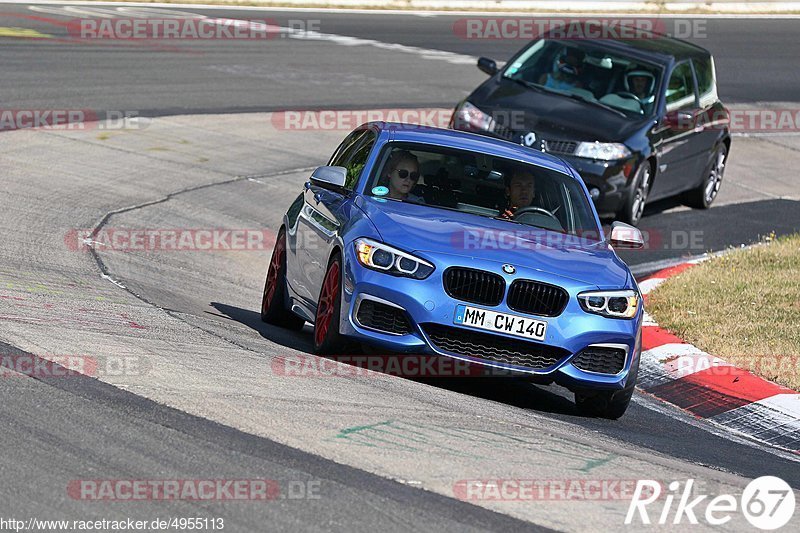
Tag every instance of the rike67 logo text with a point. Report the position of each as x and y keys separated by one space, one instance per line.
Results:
x=767 y=503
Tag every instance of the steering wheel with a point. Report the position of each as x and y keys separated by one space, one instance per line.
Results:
x=534 y=209
x=530 y=210
x=626 y=94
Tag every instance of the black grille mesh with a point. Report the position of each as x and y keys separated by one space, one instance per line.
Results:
x=475 y=286
x=600 y=359
x=382 y=317
x=561 y=147
x=494 y=348
x=537 y=298
x=503 y=132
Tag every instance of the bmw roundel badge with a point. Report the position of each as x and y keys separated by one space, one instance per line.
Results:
x=509 y=269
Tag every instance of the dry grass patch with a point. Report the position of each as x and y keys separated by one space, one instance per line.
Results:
x=743 y=307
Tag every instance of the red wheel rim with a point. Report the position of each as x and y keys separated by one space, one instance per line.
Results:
x=275 y=264
x=327 y=301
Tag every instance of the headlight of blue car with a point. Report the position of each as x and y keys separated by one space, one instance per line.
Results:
x=611 y=304
x=384 y=258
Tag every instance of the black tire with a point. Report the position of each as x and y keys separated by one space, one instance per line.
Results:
x=704 y=195
x=631 y=212
x=327 y=339
x=607 y=404
x=273 y=299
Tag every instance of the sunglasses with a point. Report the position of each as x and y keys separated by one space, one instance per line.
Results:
x=405 y=174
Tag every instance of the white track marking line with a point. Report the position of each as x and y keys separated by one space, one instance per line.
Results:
x=136 y=10
x=680 y=360
x=91 y=11
x=293 y=33
x=670 y=411
x=344 y=40
x=67 y=11
x=787 y=404
x=425 y=13
x=112 y=280
x=647 y=320
x=647 y=286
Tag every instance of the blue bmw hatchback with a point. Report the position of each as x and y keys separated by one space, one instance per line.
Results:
x=419 y=240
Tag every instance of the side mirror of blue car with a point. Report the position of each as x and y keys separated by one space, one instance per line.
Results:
x=329 y=176
x=625 y=236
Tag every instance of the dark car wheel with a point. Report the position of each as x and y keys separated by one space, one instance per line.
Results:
x=703 y=196
x=273 y=300
x=327 y=339
x=633 y=209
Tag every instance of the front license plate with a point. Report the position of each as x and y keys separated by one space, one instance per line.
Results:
x=520 y=326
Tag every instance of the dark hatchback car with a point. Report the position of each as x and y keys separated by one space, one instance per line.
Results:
x=638 y=118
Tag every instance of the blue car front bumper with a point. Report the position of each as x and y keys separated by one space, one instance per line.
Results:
x=426 y=303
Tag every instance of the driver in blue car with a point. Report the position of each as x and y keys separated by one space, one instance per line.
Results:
x=520 y=192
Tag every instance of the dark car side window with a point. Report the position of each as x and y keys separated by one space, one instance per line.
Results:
x=706 y=85
x=352 y=154
x=680 y=89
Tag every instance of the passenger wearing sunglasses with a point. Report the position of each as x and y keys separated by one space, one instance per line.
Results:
x=403 y=174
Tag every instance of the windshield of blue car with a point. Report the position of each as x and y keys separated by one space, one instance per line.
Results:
x=587 y=72
x=484 y=186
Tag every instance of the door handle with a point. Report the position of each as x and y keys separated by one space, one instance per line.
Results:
x=318 y=197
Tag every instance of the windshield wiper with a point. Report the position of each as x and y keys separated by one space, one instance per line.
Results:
x=574 y=96
x=531 y=85
x=594 y=102
x=527 y=225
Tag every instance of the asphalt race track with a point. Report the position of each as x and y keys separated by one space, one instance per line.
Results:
x=754 y=59
x=191 y=385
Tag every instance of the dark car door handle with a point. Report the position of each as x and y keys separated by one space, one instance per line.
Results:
x=318 y=197
x=689 y=117
x=681 y=120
